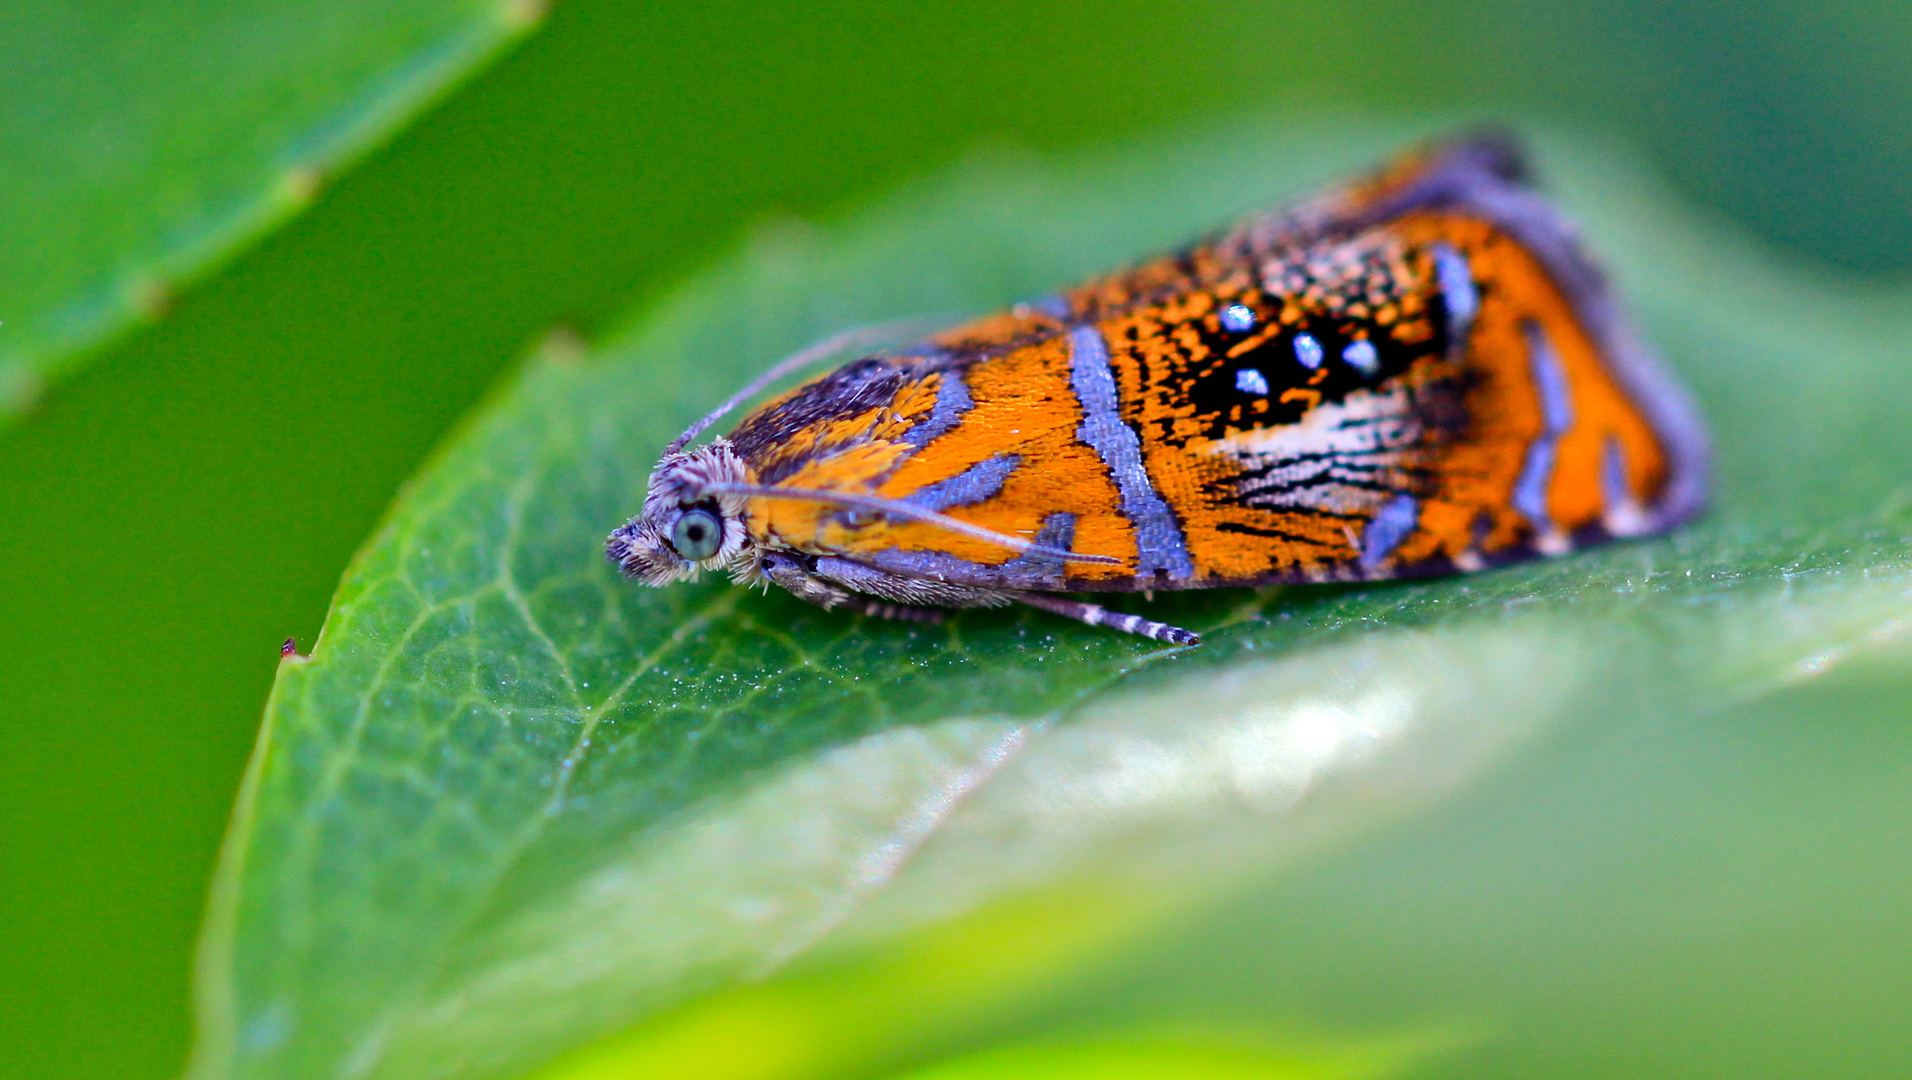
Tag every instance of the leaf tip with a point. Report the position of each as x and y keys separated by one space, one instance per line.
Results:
x=562 y=346
x=523 y=14
x=301 y=184
x=150 y=297
x=21 y=388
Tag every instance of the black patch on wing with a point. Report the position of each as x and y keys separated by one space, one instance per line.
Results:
x=1223 y=407
x=1188 y=363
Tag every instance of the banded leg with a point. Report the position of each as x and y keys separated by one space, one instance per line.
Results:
x=1097 y=615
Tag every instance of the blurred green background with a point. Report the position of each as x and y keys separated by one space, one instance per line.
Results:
x=189 y=498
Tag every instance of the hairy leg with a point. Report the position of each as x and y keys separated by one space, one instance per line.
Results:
x=790 y=573
x=873 y=592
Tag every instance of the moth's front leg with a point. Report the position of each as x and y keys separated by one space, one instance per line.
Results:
x=790 y=572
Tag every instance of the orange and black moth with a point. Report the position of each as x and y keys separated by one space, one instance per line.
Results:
x=1420 y=373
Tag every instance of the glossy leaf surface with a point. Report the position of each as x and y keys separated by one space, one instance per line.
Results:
x=511 y=803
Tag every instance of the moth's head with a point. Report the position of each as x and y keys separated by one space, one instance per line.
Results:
x=688 y=524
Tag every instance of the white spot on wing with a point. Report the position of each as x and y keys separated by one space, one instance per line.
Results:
x=1308 y=351
x=1238 y=318
x=1361 y=356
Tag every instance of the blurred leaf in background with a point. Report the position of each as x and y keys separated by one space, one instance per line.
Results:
x=188 y=500
x=140 y=143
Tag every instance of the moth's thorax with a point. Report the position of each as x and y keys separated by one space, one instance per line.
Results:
x=684 y=481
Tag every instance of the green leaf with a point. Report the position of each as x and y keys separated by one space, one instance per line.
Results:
x=1162 y=1059
x=142 y=143
x=512 y=803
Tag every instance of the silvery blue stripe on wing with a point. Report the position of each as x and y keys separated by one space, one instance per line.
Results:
x=1457 y=290
x=1392 y=524
x=1556 y=416
x=978 y=483
x=952 y=401
x=1058 y=533
x=1158 y=538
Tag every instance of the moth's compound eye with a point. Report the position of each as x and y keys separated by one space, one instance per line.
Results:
x=697 y=535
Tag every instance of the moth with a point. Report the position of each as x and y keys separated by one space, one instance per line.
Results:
x=1418 y=373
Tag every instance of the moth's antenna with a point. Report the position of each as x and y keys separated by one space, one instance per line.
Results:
x=898 y=508
x=862 y=337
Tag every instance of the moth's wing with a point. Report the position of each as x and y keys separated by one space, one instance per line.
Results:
x=981 y=424
x=1561 y=285
x=1434 y=377
x=1448 y=384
